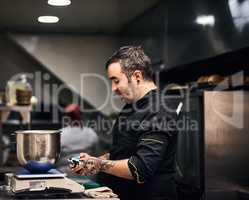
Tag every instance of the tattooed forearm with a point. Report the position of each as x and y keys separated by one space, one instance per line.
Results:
x=106 y=165
x=93 y=165
x=89 y=165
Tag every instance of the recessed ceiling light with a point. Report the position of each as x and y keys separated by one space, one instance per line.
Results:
x=48 y=19
x=59 y=2
x=205 y=20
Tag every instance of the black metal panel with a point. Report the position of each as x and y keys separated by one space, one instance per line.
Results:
x=187 y=41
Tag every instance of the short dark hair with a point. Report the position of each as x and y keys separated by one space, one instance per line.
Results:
x=132 y=58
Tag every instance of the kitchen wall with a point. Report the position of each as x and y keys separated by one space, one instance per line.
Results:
x=78 y=61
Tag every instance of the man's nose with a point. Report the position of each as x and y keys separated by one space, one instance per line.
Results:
x=114 y=87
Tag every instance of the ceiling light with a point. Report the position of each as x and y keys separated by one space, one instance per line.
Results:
x=48 y=19
x=59 y=2
x=205 y=20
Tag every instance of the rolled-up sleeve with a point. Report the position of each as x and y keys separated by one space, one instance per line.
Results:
x=150 y=149
x=149 y=153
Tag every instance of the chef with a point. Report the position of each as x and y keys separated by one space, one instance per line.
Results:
x=141 y=163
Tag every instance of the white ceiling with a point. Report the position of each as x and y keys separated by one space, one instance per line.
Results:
x=83 y=16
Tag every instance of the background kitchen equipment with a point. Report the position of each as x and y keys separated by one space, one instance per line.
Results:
x=18 y=91
x=23 y=97
x=38 y=150
x=212 y=152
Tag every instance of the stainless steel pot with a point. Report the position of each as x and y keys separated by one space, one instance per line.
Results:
x=38 y=150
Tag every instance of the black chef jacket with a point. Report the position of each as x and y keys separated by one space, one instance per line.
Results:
x=145 y=133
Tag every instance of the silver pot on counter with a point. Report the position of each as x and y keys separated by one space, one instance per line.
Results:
x=38 y=150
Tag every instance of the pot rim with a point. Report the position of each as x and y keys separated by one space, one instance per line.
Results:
x=37 y=131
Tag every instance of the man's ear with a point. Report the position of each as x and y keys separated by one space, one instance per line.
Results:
x=138 y=75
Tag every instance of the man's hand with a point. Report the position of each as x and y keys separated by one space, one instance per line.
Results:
x=88 y=165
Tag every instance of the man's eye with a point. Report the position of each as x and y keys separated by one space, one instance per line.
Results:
x=116 y=81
